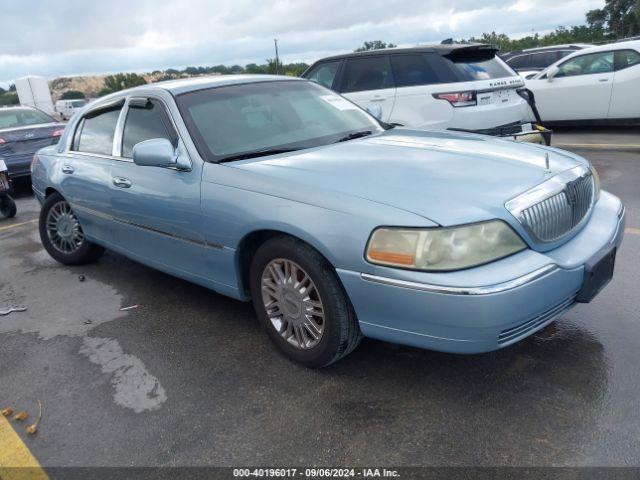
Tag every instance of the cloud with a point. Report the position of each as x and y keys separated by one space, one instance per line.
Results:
x=78 y=37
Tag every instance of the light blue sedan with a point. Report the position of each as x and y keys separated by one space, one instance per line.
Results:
x=278 y=191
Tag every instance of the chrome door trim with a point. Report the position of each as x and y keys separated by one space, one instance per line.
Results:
x=448 y=290
x=122 y=221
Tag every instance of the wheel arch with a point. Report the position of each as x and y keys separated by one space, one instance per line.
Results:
x=251 y=242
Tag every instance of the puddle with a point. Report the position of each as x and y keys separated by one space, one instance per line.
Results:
x=60 y=305
x=135 y=387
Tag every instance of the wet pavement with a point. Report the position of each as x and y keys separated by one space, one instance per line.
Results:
x=188 y=377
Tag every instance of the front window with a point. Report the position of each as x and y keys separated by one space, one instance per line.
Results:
x=248 y=119
x=367 y=73
x=22 y=117
x=587 y=64
x=146 y=121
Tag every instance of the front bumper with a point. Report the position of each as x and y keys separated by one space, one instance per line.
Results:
x=457 y=312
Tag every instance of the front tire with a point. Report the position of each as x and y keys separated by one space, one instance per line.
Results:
x=62 y=235
x=301 y=303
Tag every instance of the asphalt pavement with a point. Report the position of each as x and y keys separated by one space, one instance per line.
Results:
x=187 y=378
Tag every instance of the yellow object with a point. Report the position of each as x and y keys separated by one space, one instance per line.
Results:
x=16 y=461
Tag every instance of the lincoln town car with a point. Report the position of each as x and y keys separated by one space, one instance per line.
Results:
x=334 y=224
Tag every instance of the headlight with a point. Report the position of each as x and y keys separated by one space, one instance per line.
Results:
x=443 y=249
x=596 y=184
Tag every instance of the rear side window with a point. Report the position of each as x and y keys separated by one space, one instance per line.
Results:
x=145 y=122
x=413 y=69
x=521 y=61
x=324 y=73
x=96 y=130
x=626 y=58
x=543 y=59
x=367 y=73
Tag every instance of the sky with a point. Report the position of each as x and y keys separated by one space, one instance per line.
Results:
x=73 y=37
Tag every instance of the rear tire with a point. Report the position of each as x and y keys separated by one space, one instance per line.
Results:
x=301 y=303
x=8 y=207
x=62 y=235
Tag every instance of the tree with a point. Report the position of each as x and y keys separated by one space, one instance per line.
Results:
x=618 y=18
x=2 y=91
x=12 y=87
x=374 y=45
x=120 y=81
x=72 y=95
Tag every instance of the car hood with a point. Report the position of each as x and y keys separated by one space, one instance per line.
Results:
x=447 y=177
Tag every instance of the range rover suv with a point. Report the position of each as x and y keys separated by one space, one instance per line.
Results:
x=464 y=87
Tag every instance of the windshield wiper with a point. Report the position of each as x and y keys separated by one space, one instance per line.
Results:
x=354 y=135
x=256 y=153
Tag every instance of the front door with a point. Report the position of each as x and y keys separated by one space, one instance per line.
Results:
x=368 y=81
x=581 y=90
x=158 y=208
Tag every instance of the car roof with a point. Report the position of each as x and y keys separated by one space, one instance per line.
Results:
x=184 y=85
x=565 y=46
x=439 y=48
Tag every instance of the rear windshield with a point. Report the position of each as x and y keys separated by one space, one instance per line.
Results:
x=467 y=67
x=22 y=117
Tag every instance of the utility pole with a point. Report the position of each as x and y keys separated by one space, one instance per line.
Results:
x=275 y=42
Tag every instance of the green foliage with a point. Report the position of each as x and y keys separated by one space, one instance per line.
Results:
x=374 y=45
x=72 y=95
x=575 y=34
x=120 y=81
x=9 y=99
x=12 y=87
x=618 y=18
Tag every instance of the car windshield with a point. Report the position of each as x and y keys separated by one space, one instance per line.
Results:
x=262 y=118
x=22 y=117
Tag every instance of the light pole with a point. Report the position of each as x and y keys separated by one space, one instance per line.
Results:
x=275 y=42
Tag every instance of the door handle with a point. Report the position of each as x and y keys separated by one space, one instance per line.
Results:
x=68 y=169
x=603 y=80
x=121 y=182
x=378 y=99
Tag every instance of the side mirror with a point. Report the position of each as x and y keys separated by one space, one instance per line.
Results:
x=375 y=110
x=158 y=152
x=552 y=72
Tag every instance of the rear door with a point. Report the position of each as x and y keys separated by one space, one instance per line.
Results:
x=85 y=170
x=581 y=90
x=625 y=97
x=369 y=81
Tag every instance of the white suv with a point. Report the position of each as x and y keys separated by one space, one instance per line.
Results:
x=447 y=86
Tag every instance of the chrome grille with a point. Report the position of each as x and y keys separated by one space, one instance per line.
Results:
x=556 y=207
x=557 y=215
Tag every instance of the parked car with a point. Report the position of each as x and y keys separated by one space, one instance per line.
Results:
x=335 y=225
x=598 y=84
x=23 y=131
x=530 y=61
x=445 y=86
x=66 y=108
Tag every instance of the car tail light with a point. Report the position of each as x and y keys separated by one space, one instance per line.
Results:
x=2 y=140
x=458 y=99
x=58 y=133
x=34 y=162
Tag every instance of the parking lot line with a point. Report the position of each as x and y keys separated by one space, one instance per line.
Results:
x=634 y=231
x=18 y=224
x=16 y=461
